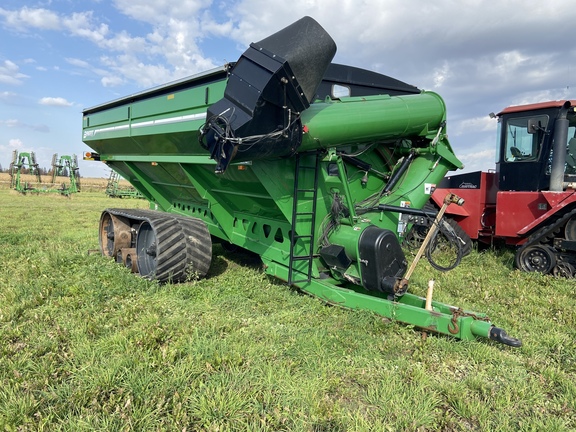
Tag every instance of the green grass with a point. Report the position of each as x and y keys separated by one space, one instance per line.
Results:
x=87 y=346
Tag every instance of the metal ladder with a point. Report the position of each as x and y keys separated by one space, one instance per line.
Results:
x=307 y=239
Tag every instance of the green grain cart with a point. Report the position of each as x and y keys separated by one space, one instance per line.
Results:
x=309 y=164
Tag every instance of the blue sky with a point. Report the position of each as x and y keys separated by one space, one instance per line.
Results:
x=58 y=57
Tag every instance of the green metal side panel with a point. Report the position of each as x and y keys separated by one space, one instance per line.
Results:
x=166 y=124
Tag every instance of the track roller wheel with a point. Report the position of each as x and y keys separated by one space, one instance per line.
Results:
x=570 y=229
x=538 y=258
x=173 y=249
x=114 y=234
x=564 y=269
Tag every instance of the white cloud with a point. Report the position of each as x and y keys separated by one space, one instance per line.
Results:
x=478 y=160
x=8 y=149
x=15 y=143
x=441 y=74
x=156 y=11
x=13 y=123
x=111 y=81
x=542 y=96
x=474 y=125
x=81 y=24
x=55 y=101
x=31 y=17
x=10 y=73
x=169 y=50
x=10 y=122
x=478 y=56
x=77 y=62
x=123 y=42
x=131 y=69
x=7 y=96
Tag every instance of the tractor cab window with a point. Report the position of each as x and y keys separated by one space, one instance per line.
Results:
x=571 y=149
x=524 y=138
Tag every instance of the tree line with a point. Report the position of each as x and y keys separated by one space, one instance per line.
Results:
x=42 y=170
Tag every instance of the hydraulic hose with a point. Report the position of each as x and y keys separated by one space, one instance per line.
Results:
x=452 y=238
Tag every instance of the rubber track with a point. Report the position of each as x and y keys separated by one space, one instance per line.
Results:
x=184 y=246
x=170 y=251
x=198 y=245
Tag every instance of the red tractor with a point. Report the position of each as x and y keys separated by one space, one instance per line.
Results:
x=530 y=199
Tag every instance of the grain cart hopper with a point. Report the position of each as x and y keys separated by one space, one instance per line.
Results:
x=288 y=156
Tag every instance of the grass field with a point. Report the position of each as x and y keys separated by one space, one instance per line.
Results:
x=87 y=346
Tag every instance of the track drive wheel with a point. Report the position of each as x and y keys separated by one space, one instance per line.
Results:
x=538 y=258
x=114 y=234
x=173 y=249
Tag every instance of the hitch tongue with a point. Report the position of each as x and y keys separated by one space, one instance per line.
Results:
x=499 y=335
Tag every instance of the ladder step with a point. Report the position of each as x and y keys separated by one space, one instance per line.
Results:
x=301 y=258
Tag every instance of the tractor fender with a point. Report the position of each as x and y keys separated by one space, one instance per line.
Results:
x=556 y=206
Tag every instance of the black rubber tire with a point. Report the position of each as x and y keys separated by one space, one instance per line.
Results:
x=173 y=249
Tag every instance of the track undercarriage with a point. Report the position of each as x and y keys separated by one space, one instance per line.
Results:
x=552 y=248
x=157 y=245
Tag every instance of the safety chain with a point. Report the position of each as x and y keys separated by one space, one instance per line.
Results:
x=458 y=313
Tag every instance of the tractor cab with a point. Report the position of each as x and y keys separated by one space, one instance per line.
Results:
x=528 y=136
